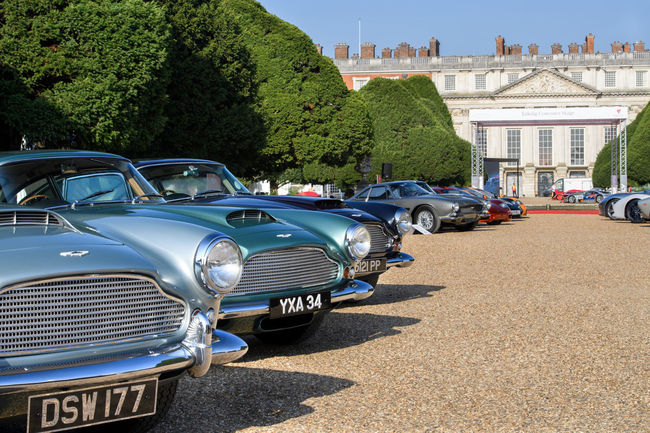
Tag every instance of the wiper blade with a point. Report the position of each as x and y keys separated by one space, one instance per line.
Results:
x=96 y=194
x=141 y=196
x=207 y=193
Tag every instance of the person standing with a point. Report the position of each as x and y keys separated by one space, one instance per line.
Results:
x=514 y=189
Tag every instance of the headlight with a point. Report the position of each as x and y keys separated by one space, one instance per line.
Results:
x=219 y=264
x=505 y=206
x=455 y=207
x=403 y=221
x=357 y=241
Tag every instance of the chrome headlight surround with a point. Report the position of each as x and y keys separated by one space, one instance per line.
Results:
x=357 y=241
x=455 y=207
x=403 y=221
x=218 y=264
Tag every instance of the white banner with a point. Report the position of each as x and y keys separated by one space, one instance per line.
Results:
x=549 y=115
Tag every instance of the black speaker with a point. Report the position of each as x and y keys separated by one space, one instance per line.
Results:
x=386 y=170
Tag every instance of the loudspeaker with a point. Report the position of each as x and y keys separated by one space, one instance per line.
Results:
x=386 y=170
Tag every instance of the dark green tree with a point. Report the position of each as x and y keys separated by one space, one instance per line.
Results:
x=211 y=109
x=101 y=64
x=413 y=131
x=310 y=116
x=638 y=157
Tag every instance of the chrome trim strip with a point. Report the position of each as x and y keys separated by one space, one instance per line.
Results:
x=403 y=260
x=354 y=290
x=226 y=347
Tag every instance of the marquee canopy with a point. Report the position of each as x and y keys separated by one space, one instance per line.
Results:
x=548 y=116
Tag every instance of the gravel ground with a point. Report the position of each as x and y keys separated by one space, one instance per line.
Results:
x=538 y=325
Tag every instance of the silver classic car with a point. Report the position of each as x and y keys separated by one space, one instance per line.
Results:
x=92 y=331
x=276 y=281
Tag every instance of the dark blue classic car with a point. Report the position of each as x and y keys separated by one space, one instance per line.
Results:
x=204 y=181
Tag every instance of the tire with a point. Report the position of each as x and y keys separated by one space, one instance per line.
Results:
x=599 y=198
x=466 y=227
x=609 y=209
x=632 y=212
x=292 y=335
x=425 y=218
x=370 y=279
x=572 y=199
x=166 y=393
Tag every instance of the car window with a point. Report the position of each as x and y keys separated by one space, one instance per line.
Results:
x=363 y=195
x=378 y=193
x=406 y=190
x=190 y=179
x=95 y=187
x=36 y=190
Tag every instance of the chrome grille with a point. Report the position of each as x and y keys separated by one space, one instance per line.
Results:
x=379 y=241
x=293 y=268
x=20 y=217
x=78 y=311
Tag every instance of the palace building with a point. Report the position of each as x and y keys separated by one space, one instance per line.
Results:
x=512 y=80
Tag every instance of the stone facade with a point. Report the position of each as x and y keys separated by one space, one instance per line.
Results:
x=559 y=80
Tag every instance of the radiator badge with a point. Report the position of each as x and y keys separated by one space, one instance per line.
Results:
x=73 y=253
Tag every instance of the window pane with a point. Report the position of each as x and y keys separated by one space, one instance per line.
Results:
x=610 y=133
x=545 y=147
x=513 y=145
x=577 y=146
x=450 y=82
x=610 y=79
x=480 y=81
x=481 y=141
x=512 y=78
x=577 y=76
x=640 y=78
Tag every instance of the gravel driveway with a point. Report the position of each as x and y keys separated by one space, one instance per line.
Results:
x=538 y=325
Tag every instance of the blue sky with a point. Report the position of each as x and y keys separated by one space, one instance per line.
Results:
x=466 y=27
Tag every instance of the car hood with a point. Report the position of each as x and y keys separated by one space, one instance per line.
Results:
x=32 y=252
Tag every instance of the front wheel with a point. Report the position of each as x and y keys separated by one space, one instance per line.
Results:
x=599 y=198
x=293 y=335
x=632 y=211
x=572 y=199
x=609 y=209
x=425 y=218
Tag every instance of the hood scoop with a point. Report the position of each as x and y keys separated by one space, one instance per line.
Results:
x=30 y=217
x=247 y=217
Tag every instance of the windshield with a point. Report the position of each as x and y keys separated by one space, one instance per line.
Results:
x=426 y=187
x=43 y=182
x=186 y=180
x=408 y=190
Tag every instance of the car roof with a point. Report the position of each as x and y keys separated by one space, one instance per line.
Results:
x=19 y=156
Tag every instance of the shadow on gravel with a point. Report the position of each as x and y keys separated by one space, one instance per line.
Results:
x=231 y=398
x=392 y=293
x=338 y=331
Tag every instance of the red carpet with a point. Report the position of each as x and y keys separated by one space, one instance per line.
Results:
x=574 y=212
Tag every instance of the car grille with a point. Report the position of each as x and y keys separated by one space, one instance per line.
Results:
x=79 y=311
x=293 y=268
x=379 y=241
x=21 y=217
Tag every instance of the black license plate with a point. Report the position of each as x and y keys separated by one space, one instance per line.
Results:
x=299 y=304
x=79 y=408
x=370 y=265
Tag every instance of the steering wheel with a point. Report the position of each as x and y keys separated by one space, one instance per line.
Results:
x=32 y=198
x=167 y=192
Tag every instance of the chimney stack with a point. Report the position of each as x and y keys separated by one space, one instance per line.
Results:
x=434 y=47
x=589 y=42
x=556 y=48
x=639 y=46
x=515 y=49
x=501 y=48
x=533 y=49
x=367 y=50
x=573 y=48
x=341 y=51
x=404 y=50
x=617 y=47
x=386 y=53
x=423 y=51
x=627 y=47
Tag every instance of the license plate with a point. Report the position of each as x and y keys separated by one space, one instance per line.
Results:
x=516 y=212
x=370 y=265
x=299 y=304
x=89 y=406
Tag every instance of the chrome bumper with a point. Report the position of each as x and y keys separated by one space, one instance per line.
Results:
x=224 y=348
x=460 y=219
x=355 y=290
x=402 y=260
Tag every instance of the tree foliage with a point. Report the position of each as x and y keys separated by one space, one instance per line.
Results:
x=414 y=132
x=310 y=117
x=638 y=153
x=101 y=64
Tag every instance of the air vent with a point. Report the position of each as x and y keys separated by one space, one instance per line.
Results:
x=249 y=215
x=330 y=204
x=20 y=217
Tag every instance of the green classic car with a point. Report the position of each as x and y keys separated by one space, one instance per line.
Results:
x=297 y=265
x=91 y=331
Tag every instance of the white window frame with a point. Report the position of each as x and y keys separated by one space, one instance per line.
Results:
x=577 y=146
x=641 y=78
x=450 y=83
x=480 y=81
x=359 y=82
x=610 y=78
x=545 y=146
x=512 y=77
x=576 y=76
x=611 y=132
x=481 y=139
x=513 y=145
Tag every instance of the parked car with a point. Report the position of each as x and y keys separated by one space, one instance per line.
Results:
x=626 y=208
x=429 y=211
x=272 y=278
x=515 y=205
x=495 y=211
x=644 y=208
x=180 y=179
x=91 y=330
x=605 y=207
x=596 y=195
